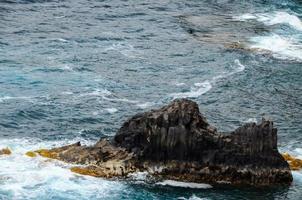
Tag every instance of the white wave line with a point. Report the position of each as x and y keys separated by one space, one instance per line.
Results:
x=201 y=88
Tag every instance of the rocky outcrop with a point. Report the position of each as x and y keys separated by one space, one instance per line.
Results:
x=176 y=142
x=5 y=151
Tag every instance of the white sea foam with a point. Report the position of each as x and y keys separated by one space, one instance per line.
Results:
x=195 y=91
x=22 y=177
x=278 y=17
x=110 y=96
x=114 y=99
x=67 y=92
x=61 y=40
x=144 y=105
x=282 y=18
x=6 y=98
x=59 y=17
x=66 y=68
x=111 y=110
x=107 y=95
x=26 y=144
x=240 y=67
x=245 y=17
x=125 y=49
x=184 y=184
x=298 y=151
x=201 y=88
x=97 y=92
x=249 y=120
x=180 y=84
x=281 y=47
x=199 y=84
x=95 y=113
x=236 y=68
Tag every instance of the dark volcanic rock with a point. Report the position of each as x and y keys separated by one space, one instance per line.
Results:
x=171 y=132
x=178 y=132
x=176 y=142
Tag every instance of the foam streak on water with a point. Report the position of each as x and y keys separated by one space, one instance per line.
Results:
x=195 y=91
x=6 y=98
x=201 y=88
x=184 y=184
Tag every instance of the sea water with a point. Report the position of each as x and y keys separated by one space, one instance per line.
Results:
x=74 y=70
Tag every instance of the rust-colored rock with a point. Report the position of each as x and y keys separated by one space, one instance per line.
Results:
x=294 y=163
x=90 y=171
x=31 y=154
x=47 y=153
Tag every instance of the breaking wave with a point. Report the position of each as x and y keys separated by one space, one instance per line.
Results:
x=278 y=17
x=280 y=46
x=20 y=174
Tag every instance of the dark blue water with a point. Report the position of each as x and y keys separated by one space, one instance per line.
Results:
x=76 y=69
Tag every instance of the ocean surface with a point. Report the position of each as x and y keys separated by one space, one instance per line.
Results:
x=74 y=70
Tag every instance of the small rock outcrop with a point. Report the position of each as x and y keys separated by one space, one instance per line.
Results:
x=5 y=151
x=176 y=142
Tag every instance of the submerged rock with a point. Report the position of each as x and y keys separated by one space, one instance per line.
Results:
x=176 y=142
